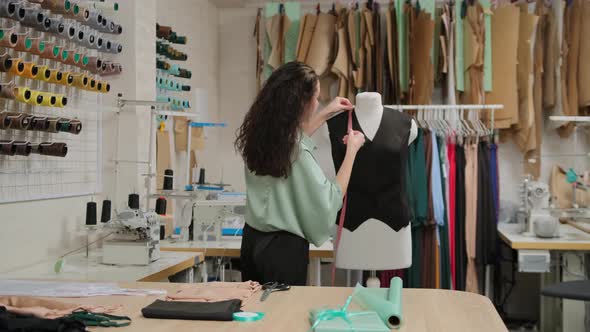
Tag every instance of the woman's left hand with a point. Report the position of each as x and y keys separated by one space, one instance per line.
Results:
x=336 y=106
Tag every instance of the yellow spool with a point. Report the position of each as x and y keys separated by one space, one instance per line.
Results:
x=37 y=99
x=62 y=100
x=106 y=87
x=81 y=81
x=18 y=67
x=64 y=78
x=55 y=76
x=28 y=71
x=69 y=79
x=23 y=94
x=40 y=73
x=49 y=99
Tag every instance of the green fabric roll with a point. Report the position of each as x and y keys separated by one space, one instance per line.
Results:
x=387 y=303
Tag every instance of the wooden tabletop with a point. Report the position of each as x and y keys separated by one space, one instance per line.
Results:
x=231 y=248
x=81 y=268
x=424 y=310
x=570 y=239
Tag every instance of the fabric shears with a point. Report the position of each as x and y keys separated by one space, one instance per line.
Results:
x=270 y=287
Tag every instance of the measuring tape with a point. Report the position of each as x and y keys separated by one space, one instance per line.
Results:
x=247 y=316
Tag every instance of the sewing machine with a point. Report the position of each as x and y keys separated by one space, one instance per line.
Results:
x=211 y=217
x=534 y=211
x=135 y=239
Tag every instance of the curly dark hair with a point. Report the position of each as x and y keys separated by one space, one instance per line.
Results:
x=267 y=139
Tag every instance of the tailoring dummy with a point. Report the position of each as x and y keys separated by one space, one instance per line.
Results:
x=376 y=233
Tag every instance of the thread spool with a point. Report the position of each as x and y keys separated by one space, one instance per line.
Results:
x=43 y=73
x=5 y=63
x=92 y=85
x=7 y=8
x=69 y=79
x=37 y=98
x=89 y=40
x=17 y=121
x=161 y=206
x=114 y=47
x=57 y=26
x=133 y=201
x=168 y=179
x=46 y=22
x=163 y=31
x=30 y=70
x=91 y=213
x=51 y=51
x=39 y=123
x=55 y=149
x=7 y=91
x=94 y=19
x=186 y=88
x=8 y=39
x=55 y=76
x=37 y=47
x=71 y=57
x=58 y=6
x=7 y=148
x=69 y=31
x=64 y=78
x=105 y=213
x=106 y=87
x=94 y=64
x=52 y=127
x=18 y=67
x=81 y=81
x=22 y=148
x=202 y=176
x=33 y=18
x=49 y=99
x=62 y=100
x=80 y=13
x=23 y=43
x=75 y=126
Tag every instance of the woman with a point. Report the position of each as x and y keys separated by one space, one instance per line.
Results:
x=290 y=200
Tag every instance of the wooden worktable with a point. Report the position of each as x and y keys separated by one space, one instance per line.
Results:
x=81 y=268
x=425 y=310
x=570 y=239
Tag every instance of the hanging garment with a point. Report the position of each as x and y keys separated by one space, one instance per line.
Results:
x=471 y=189
x=377 y=183
x=451 y=157
x=460 y=213
x=342 y=61
x=584 y=64
x=474 y=54
x=486 y=238
x=574 y=25
x=369 y=49
x=551 y=60
x=392 y=53
x=505 y=21
x=449 y=21
x=459 y=46
x=494 y=179
x=320 y=49
x=379 y=72
x=445 y=264
x=429 y=244
x=354 y=39
x=276 y=29
x=306 y=29
x=402 y=9
x=259 y=56
x=563 y=14
x=418 y=193
x=528 y=25
x=438 y=209
x=421 y=68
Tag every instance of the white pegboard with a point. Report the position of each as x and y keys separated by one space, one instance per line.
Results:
x=34 y=177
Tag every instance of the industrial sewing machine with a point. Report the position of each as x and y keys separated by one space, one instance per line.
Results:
x=136 y=238
x=213 y=218
x=534 y=213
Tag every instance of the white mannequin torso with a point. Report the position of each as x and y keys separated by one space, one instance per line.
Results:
x=373 y=245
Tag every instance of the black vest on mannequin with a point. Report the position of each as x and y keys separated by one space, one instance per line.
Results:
x=377 y=185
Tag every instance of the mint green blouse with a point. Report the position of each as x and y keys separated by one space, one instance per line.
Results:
x=305 y=203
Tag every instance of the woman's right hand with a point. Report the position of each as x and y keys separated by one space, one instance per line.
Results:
x=354 y=141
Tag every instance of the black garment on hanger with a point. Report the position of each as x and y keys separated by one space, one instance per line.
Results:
x=486 y=245
x=460 y=248
x=377 y=184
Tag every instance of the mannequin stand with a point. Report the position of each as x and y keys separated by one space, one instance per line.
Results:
x=373 y=281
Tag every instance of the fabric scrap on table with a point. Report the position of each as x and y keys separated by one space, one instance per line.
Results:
x=216 y=291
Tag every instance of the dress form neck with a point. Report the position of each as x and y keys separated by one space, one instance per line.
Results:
x=369 y=111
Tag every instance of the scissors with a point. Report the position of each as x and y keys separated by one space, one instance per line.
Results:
x=270 y=287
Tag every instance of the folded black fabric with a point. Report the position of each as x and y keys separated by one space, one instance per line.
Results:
x=221 y=311
x=25 y=323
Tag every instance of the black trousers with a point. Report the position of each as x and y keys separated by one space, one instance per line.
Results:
x=274 y=256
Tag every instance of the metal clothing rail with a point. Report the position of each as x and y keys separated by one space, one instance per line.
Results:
x=484 y=107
